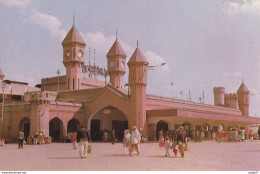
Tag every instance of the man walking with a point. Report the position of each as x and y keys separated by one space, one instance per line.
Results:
x=83 y=139
x=20 y=138
x=135 y=140
x=181 y=140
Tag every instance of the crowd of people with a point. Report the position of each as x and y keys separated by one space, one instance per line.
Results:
x=38 y=138
x=175 y=139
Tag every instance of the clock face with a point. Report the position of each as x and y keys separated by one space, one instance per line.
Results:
x=112 y=64
x=68 y=53
x=79 y=54
x=122 y=65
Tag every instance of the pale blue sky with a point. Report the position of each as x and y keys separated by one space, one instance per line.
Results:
x=204 y=43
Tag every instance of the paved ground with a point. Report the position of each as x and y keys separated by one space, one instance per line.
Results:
x=207 y=155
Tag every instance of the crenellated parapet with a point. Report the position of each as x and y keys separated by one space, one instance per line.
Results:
x=40 y=97
x=231 y=100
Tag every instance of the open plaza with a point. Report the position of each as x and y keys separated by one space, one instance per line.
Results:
x=203 y=156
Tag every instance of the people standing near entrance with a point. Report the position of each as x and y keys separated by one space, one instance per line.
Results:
x=20 y=138
x=181 y=140
x=74 y=139
x=113 y=136
x=161 y=138
x=135 y=140
x=83 y=139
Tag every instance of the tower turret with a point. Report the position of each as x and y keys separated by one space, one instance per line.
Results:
x=40 y=102
x=116 y=64
x=73 y=58
x=243 y=99
x=138 y=82
x=219 y=96
x=231 y=101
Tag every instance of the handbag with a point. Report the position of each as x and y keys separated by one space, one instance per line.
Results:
x=89 y=148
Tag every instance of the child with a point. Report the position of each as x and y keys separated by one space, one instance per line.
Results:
x=167 y=146
x=251 y=135
x=175 y=148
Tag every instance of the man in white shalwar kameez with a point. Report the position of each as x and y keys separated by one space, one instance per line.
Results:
x=135 y=141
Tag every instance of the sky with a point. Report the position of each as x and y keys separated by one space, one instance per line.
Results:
x=203 y=43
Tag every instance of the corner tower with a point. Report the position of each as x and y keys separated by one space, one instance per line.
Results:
x=116 y=65
x=138 y=82
x=243 y=99
x=219 y=93
x=73 y=58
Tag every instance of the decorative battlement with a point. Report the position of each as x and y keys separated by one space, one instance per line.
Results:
x=231 y=100
x=231 y=96
x=219 y=89
x=40 y=97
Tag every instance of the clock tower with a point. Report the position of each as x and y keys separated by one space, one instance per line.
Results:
x=116 y=65
x=73 y=58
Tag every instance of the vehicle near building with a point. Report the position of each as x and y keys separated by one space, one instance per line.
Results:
x=233 y=136
x=256 y=136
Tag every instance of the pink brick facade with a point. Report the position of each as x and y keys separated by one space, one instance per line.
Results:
x=60 y=108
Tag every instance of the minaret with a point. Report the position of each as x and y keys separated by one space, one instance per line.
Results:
x=138 y=82
x=243 y=99
x=116 y=57
x=73 y=57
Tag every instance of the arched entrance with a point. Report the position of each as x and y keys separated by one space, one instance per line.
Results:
x=73 y=125
x=25 y=126
x=105 y=120
x=56 y=129
x=161 y=125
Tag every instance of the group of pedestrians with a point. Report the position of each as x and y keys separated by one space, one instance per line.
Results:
x=131 y=141
x=178 y=142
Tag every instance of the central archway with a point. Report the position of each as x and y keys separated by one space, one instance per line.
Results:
x=105 y=120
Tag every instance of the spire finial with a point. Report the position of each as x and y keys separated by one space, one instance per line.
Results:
x=116 y=33
x=242 y=80
x=74 y=16
x=137 y=43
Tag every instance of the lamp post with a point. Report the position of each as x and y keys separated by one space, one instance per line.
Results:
x=3 y=85
x=58 y=72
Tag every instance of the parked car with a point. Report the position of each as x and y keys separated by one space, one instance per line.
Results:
x=233 y=136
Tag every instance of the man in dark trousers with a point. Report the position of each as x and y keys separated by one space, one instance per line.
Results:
x=83 y=139
x=181 y=140
x=20 y=138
